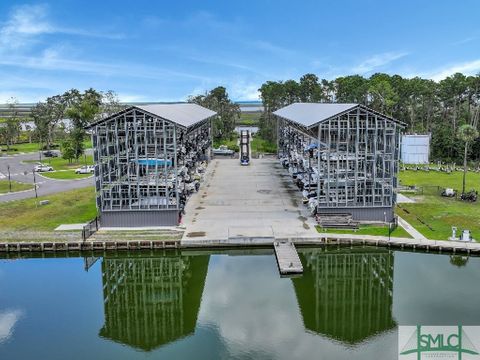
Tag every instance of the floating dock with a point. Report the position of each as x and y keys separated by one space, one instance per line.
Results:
x=287 y=258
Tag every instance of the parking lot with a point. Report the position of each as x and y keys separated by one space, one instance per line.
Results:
x=237 y=201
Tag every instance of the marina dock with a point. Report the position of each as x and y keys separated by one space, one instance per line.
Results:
x=287 y=258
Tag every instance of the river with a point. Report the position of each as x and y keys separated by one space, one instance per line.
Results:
x=229 y=305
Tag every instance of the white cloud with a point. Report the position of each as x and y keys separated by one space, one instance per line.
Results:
x=8 y=319
x=240 y=90
x=465 y=40
x=27 y=22
x=377 y=61
x=24 y=22
x=52 y=59
x=258 y=313
x=271 y=48
x=129 y=98
x=466 y=68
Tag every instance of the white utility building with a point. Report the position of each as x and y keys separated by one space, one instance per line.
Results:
x=415 y=149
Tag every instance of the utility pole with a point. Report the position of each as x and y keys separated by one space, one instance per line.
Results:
x=35 y=187
x=9 y=179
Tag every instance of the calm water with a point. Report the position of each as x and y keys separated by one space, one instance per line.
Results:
x=188 y=305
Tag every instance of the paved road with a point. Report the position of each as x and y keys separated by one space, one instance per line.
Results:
x=22 y=172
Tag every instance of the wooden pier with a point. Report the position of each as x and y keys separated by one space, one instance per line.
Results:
x=86 y=246
x=287 y=258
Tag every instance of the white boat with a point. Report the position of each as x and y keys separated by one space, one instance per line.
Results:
x=223 y=150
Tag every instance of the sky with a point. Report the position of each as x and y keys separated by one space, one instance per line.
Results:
x=168 y=50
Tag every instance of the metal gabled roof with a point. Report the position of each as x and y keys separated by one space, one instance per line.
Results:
x=186 y=114
x=183 y=114
x=310 y=114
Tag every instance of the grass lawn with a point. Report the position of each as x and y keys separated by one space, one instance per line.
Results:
x=376 y=230
x=231 y=144
x=75 y=206
x=34 y=147
x=260 y=145
x=16 y=186
x=434 y=215
x=435 y=178
x=17 y=148
x=59 y=163
x=65 y=175
x=249 y=118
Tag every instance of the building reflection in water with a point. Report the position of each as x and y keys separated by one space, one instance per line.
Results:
x=150 y=301
x=346 y=295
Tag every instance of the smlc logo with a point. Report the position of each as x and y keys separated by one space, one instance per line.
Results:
x=438 y=342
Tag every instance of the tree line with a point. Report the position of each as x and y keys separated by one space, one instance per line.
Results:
x=81 y=109
x=441 y=108
x=48 y=117
x=84 y=108
x=228 y=113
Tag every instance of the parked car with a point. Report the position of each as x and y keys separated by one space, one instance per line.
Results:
x=50 y=153
x=42 y=168
x=87 y=169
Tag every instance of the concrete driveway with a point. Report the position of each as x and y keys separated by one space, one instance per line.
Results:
x=255 y=201
x=45 y=186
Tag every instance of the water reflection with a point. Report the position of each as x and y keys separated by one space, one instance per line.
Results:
x=345 y=306
x=151 y=301
x=346 y=295
x=8 y=320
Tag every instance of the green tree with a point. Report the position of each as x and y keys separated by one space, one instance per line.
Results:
x=291 y=93
x=42 y=120
x=10 y=126
x=382 y=95
x=351 y=89
x=49 y=114
x=453 y=93
x=273 y=95
x=82 y=112
x=68 y=151
x=227 y=111
x=110 y=104
x=424 y=105
x=310 y=89
x=467 y=133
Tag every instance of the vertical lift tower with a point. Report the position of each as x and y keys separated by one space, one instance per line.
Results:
x=244 y=147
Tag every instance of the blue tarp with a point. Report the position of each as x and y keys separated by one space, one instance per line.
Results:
x=153 y=162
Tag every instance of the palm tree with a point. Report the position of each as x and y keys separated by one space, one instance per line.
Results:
x=466 y=133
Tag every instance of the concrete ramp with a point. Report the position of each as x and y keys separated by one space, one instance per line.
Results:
x=287 y=258
x=236 y=232
x=246 y=202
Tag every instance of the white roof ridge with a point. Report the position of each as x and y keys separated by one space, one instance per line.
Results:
x=308 y=114
x=185 y=114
